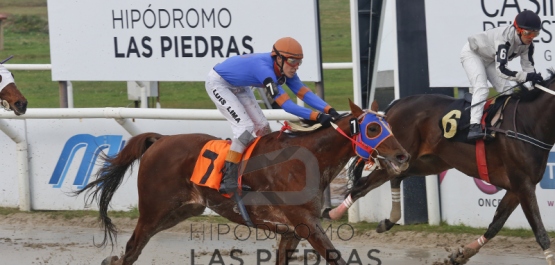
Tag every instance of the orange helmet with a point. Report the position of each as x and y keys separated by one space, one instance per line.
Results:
x=288 y=48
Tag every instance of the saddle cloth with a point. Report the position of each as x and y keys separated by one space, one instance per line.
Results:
x=210 y=162
x=456 y=120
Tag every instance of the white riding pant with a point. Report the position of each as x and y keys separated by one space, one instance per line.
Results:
x=479 y=73
x=239 y=107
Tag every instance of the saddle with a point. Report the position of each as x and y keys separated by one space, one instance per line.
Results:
x=208 y=168
x=455 y=122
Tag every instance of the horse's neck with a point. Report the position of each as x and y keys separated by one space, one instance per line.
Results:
x=332 y=149
x=538 y=117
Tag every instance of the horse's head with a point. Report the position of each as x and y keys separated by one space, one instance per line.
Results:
x=10 y=97
x=376 y=141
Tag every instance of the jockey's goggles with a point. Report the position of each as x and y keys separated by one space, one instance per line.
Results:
x=530 y=33
x=293 y=62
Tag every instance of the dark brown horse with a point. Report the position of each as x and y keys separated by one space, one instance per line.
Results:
x=514 y=165
x=10 y=97
x=305 y=162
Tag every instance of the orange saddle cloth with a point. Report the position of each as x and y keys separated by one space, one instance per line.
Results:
x=208 y=169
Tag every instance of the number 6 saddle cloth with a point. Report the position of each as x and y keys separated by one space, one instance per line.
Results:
x=208 y=168
x=455 y=122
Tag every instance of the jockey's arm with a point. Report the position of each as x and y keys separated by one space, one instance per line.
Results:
x=285 y=102
x=306 y=95
x=501 y=63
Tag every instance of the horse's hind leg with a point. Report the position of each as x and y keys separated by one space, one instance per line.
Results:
x=150 y=222
x=287 y=244
x=507 y=205
x=529 y=203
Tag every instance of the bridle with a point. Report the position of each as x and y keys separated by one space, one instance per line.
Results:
x=365 y=147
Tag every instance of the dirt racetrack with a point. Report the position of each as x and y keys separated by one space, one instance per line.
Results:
x=39 y=239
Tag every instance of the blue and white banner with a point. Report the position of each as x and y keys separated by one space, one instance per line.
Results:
x=64 y=155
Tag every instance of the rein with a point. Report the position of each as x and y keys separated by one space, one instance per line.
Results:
x=523 y=137
x=356 y=140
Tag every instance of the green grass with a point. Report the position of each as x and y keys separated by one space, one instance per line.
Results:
x=25 y=37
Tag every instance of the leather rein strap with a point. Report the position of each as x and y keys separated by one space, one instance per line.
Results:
x=519 y=136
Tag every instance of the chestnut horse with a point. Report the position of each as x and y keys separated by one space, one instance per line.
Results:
x=513 y=164
x=10 y=97
x=306 y=162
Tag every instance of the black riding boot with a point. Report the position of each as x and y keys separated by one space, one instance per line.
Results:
x=475 y=132
x=229 y=180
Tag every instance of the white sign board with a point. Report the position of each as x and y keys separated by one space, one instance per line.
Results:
x=172 y=40
x=472 y=202
x=450 y=22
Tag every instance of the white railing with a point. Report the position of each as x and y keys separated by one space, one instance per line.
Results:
x=346 y=65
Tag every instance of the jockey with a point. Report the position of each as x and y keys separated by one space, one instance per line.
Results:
x=486 y=55
x=228 y=85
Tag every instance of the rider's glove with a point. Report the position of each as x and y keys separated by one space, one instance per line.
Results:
x=333 y=113
x=324 y=119
x=534 y=77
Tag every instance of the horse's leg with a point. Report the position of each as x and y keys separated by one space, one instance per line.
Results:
x=287 y=244
x=529 y=203
x=395 y=214
x=374 y=180
x=507 y=205
x=313 y=231
x=151 y=221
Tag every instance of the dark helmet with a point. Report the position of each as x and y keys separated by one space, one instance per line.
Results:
x=288 y=48
x=527 y=20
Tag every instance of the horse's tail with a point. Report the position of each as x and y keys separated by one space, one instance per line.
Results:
x=110 y=177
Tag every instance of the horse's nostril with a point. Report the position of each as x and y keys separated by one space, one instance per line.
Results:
x=402 y=158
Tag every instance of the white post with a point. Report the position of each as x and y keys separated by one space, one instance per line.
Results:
x=69 y=94
x=355 y=53
x=129 y=126
x=378 y=45
x=395 y=55
x=432 y=197
x=143 y=95
x=23 y=161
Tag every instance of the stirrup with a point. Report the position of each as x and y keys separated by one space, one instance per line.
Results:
x=242 y=209
x=224 y=190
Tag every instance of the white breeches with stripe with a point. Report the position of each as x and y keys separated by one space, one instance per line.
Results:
x=479 y=74
x=239 y=107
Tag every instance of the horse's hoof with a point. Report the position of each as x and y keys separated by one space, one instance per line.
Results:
x=326 y=213
x=384 y=226
x=109 y=260
x=461 y=256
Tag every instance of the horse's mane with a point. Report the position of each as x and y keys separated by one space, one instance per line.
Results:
x=354 y=173
x=390 y=105
x=526 y=95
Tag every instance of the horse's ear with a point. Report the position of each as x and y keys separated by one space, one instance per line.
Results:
x=375 y=106
x=355 y=110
